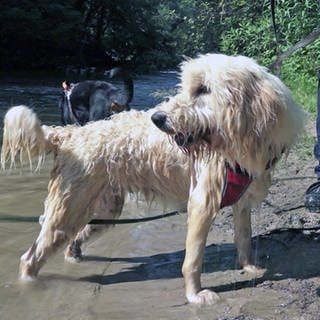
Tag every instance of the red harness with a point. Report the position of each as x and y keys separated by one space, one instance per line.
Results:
x=236 y=183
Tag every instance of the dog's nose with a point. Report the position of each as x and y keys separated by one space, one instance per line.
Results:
x=159 y=118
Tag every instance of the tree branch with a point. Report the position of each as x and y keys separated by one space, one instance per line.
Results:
x=276 y=66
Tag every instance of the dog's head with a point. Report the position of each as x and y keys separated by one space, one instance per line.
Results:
x=230 y=105
x=180 y=119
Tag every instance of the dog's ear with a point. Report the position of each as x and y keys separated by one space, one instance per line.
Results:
x=66 y=85
x=193 y=78
x=193 y=83
x=202 y=89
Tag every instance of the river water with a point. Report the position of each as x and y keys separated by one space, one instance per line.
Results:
x=42 y=94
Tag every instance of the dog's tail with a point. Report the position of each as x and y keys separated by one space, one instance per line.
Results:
x=23 y=138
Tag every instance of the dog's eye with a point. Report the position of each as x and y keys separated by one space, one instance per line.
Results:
x=202 y=90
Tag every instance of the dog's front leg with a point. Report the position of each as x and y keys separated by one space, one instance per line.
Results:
x=202 y=208
x=198 y=227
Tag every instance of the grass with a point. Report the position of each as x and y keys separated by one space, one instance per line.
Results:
x=304 y=147
x=306 y=95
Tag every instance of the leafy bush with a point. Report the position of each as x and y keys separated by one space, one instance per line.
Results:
x=251 y=38
x=255 y=37
x=299 y=71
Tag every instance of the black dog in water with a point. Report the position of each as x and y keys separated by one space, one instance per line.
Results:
x=93 y=100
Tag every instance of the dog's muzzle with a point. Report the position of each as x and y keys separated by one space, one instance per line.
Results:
x=160 y=119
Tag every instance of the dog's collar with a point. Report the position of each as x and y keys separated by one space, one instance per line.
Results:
x=236 y=182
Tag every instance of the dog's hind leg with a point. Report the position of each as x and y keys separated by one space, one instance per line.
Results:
x=108 y=206
x=68 y=208
x=57 y=229
x=242 y=236
x=242 y=221
x=48 y=242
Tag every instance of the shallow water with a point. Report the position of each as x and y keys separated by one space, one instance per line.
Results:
x=42 y=93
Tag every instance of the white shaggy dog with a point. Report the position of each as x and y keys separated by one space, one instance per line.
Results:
x=231 y=115
x=232 y=120
x=95 y=166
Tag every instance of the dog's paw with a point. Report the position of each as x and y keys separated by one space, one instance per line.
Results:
x=24 y=277
x=203 y=298
x=71 y=256
x=72 y=259
x=73 y=253
x=26 y=274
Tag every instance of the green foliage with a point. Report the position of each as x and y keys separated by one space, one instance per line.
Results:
x=198 y=30
x=296 y=19
x=255 y=36
x=299 y=72
x=35 y=32
x=251 y=33
x=151 y=34
x=253 y=39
